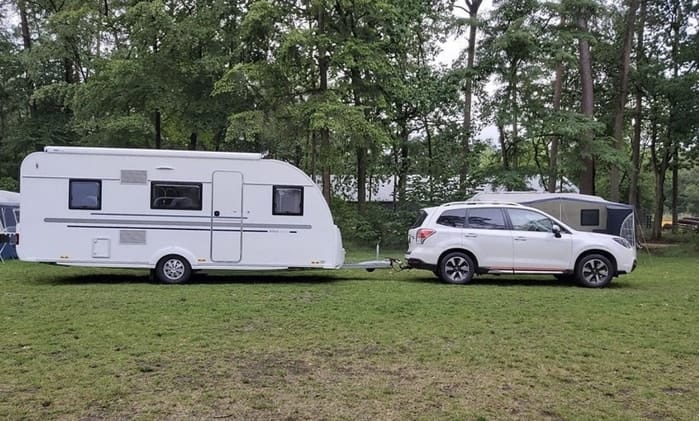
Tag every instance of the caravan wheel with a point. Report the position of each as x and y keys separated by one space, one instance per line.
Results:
x=173 y=269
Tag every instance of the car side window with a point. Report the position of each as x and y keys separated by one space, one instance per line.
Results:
x=526 y=220
x=486 y=218
x=452 y=218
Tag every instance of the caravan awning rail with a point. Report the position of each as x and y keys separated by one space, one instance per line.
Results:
x=164 y=153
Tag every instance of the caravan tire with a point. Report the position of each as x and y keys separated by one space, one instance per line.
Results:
x=173 y=269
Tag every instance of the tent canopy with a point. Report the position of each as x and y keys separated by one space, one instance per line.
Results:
x=8 y=198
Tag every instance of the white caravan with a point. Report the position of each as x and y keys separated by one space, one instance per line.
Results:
x=172 y=211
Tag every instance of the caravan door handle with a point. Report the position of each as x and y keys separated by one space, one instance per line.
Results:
x=217 y=213
x=470 y=235
x=520 y=238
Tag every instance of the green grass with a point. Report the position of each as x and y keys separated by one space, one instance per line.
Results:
x=95 y=343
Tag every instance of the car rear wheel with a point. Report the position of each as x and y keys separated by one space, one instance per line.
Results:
x=594 y=271
x=456 y=268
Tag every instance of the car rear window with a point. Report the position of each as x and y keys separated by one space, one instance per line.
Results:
x=453 y=218
x=421 y=215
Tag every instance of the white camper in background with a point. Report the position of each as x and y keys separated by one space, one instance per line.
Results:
x=172 y=211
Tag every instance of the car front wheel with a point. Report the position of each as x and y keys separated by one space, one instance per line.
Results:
x=456 y=268
x=594 y=271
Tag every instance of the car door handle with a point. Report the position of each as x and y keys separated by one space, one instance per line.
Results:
x=520 y=238
x=470 y=235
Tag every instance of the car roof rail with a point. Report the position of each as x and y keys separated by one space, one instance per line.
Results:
x=483 y=202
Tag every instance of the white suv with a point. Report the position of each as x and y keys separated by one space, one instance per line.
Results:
x=460 y=239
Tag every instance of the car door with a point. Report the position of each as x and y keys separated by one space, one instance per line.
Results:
x=536 y=247
x=487 y=237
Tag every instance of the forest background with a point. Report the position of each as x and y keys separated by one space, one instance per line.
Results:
x=602 y=93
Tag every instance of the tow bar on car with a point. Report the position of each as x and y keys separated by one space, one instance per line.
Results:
x=371 y=265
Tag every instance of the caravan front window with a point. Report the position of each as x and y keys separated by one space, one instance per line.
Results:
x=175 y=195
x=287 y=200
x=85 y=194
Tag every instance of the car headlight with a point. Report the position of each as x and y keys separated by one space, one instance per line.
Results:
x=622 y=241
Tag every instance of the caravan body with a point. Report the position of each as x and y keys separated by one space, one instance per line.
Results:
x=140 y=208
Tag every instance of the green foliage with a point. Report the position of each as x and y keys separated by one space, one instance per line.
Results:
x=377 y=223
x=9 y=183
x=252 y=76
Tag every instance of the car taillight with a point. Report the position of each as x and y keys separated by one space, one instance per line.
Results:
x=423 y=234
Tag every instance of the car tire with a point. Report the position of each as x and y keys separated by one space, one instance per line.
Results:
x=456 y=268
x=173 y=269
x=594 y=271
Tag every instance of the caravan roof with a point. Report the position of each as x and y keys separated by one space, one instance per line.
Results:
x=150 y=152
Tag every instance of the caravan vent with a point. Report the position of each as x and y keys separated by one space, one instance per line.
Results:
x=134 y=177
x=132 y=237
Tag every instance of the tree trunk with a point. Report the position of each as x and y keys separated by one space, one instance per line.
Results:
x=193 y=141
x=473 y=6
x=323 y=65
x=403 y=164
x=361 y=178
x=361 y=149
x=219 y=136
x=158 y=140
x=503 y=147
x=24 y=25
x=553 y=159
x=621 y=99
x=674 y=115
x=515 y=115
x=587 y=177
x=660 y=163
x=638 y=116
x=657 y=231
x=430 y=167
x=675 y=187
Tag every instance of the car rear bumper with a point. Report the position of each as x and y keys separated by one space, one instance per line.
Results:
x=419 y=264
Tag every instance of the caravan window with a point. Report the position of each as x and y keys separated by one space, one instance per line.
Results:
x=85 y=194
x=287 y=200
x=589 y=217
x=175 y=195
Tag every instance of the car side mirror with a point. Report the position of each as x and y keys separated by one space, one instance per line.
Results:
x=556 y=231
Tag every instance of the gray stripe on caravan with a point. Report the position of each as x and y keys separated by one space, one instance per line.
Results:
x=172 y=223
x=165 y=215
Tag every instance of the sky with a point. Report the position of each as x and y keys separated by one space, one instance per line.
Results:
x=450 y=53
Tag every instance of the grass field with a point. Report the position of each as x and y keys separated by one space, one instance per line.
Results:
x=92 y=344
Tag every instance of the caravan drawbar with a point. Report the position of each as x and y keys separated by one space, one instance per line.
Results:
x=173 y=212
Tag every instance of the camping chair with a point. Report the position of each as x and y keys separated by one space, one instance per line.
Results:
x=4 y=241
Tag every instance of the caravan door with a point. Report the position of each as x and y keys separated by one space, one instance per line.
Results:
x=226 y=216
